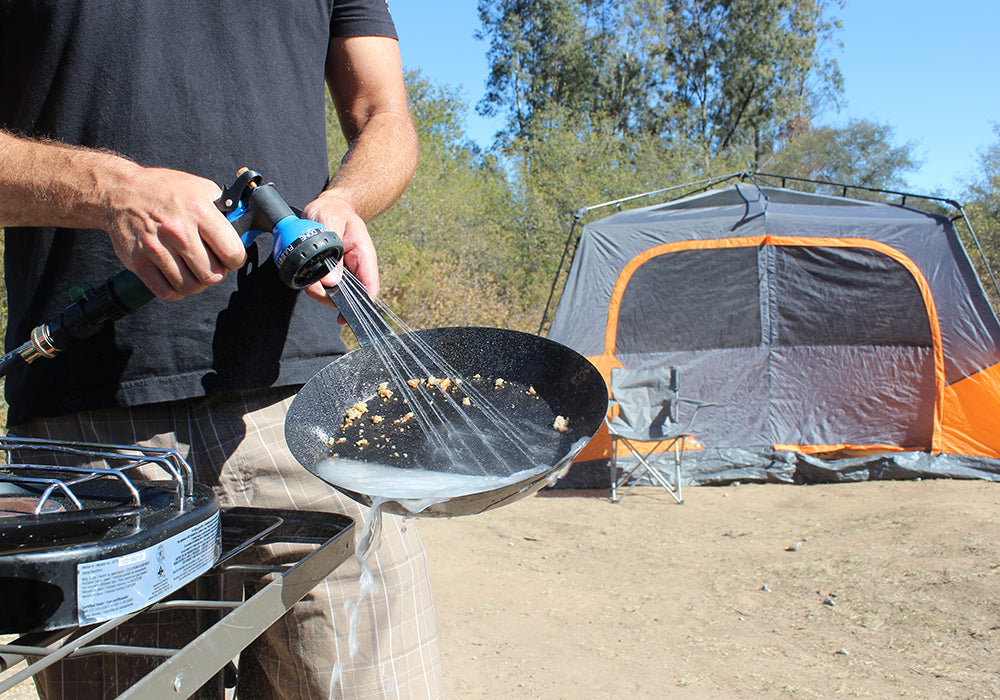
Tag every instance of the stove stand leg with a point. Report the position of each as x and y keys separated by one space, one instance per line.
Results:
x=209 y=587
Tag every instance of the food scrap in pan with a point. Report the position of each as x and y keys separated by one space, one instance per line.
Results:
x=355 y=412
x=388 y=396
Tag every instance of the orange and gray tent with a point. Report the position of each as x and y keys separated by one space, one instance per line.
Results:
x=840 y=338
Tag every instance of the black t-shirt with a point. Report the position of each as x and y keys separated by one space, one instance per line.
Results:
x=202 y=86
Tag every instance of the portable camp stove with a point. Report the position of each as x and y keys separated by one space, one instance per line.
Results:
x=84 y=545
x=83 y=551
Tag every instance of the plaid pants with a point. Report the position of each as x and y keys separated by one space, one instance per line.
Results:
x=235 y=442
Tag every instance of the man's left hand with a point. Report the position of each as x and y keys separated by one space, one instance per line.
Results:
x=336 y=214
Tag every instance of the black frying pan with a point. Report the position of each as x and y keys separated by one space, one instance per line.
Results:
x=541 y=380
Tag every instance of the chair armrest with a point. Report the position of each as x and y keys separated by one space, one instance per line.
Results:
x=611 y=412
x=695 y=402
x=696 y=405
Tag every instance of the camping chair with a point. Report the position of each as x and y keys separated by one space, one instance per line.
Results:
x=648 y=411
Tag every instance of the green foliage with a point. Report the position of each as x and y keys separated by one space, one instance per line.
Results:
x=443 y=246
x=861 y=154
x=573 y=164
x=591 y=57
x=982 y=206
x=982 y=196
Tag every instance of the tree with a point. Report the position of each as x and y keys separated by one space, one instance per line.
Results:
x=719 y=73
x=861 y=153
x=982 y=206
x=553 y=53
x=742 y=68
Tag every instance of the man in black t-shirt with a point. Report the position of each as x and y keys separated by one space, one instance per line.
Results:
x=119 y=121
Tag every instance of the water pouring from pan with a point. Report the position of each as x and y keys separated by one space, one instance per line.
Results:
x=445 y=421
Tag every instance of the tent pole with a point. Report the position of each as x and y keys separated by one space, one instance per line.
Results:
x=583 y=211
x=555 y=280
x=982 y=254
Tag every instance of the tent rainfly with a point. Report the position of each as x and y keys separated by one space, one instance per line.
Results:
x=842 y=339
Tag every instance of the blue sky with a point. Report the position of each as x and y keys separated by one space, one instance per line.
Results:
x=931 y=70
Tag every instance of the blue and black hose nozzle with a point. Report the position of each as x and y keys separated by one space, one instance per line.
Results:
x=304 y=253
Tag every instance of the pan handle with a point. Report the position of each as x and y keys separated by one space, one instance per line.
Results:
x=360 y=312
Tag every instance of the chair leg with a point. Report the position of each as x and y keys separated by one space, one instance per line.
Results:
x=673 y=489
x=614 y=472
x=678 y=458
x=646 y=466
x=627 y=476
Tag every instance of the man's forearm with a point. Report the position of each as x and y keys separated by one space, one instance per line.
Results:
x=378 y=165
x=49 y=184
x=366 y=83
x=163 y=224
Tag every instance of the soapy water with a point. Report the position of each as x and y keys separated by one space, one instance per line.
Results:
x=370 y=537
x=415 y=490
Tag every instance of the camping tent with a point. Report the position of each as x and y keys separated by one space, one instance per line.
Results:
x=823 y=327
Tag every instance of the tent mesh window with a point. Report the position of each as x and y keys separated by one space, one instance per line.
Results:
x=844 y=296
x=771 y=295
x=665 y=305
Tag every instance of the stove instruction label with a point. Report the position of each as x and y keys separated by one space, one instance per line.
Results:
x=111 y=587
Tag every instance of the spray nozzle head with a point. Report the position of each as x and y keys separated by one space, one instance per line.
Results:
x=304 y=251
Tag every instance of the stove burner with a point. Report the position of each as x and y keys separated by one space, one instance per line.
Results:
x=193 y=669
x=12 y=506
x=83 y=545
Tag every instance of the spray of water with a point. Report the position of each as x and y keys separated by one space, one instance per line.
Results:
x=466 y=432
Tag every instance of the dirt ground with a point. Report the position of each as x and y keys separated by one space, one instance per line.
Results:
x=880 y=589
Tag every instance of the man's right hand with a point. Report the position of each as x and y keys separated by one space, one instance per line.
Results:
x=165 y=228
